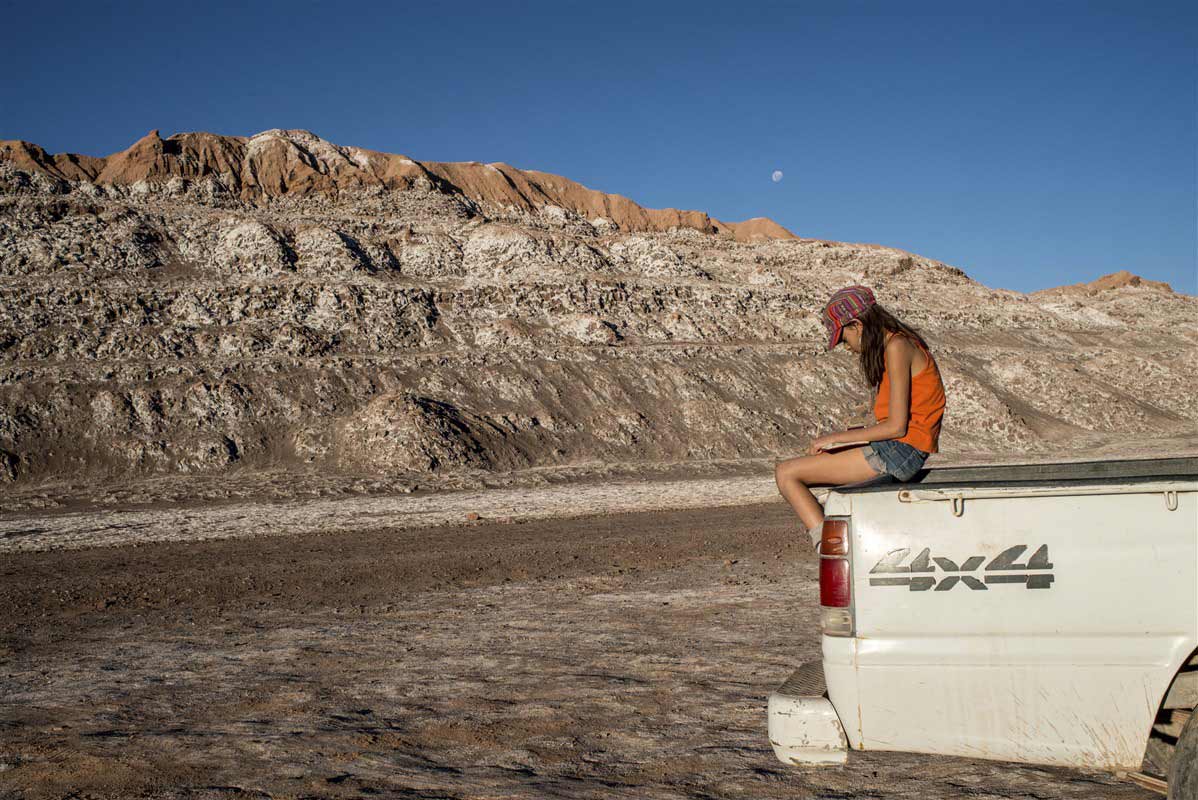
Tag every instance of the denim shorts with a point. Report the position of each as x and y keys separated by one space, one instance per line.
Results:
x=897 y=459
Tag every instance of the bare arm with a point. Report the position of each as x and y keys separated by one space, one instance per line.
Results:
x=899 y=354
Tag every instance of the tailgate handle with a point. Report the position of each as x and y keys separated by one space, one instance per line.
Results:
x=1171 y=500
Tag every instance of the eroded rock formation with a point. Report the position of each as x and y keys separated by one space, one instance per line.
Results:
x=201 y=302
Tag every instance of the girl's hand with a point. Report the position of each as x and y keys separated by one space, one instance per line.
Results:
x=820 y=442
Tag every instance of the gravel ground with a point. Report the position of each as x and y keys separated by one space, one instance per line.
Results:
x=611 y=656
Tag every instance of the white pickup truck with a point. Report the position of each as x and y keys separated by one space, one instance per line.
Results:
x=1043 y=613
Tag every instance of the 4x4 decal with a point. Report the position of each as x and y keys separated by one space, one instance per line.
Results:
x=1003 y=568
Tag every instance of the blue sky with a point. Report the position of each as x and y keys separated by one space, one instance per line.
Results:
x=1030 y=144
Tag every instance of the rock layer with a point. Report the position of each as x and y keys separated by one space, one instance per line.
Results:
x=201 y=303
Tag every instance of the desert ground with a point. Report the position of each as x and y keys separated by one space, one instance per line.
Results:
x=605 y=655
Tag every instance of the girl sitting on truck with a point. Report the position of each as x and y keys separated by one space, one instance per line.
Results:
x=908 y=406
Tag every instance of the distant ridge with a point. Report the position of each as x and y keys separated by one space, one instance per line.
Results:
x=1115 y=280
x=279 y=162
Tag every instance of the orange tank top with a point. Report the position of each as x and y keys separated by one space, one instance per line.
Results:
x=927 y=404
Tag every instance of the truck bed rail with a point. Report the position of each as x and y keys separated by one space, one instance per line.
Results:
x=1112 y=471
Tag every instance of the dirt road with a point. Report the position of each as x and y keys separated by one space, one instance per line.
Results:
x=624 y=656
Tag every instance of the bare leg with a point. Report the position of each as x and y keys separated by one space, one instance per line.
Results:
x=794 y=475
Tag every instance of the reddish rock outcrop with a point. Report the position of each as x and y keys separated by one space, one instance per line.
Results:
x=275 y=163
x=1115 y=280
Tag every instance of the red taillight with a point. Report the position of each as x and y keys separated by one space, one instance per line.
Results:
x=834 y=590
x=834 y=538
x=835 y=579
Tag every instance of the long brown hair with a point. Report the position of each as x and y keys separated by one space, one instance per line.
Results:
x=875 y=322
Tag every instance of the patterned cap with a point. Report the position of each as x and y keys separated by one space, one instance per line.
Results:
x=844 y=307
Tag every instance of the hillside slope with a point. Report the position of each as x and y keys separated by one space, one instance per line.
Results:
x=203 y=303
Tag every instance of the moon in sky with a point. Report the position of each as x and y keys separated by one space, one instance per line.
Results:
x=777 y=176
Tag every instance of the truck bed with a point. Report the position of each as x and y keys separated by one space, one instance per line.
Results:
x=1039 y=474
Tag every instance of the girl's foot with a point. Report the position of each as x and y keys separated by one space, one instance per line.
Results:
x=814 y=534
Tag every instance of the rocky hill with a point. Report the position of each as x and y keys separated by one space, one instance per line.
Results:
x=294 y=163
x=202 y=303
